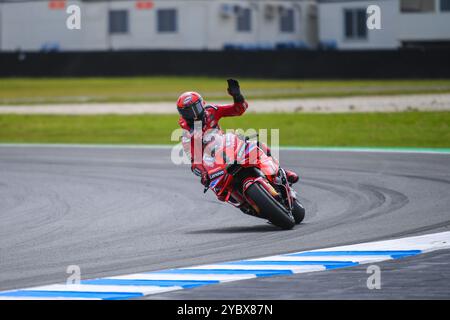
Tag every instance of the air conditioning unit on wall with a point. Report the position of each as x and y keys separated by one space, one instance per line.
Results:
x=237 y=9
x=270 y=11
x=282 y=10
x=226 y=10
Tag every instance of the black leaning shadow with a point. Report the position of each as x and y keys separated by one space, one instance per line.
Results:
x=251 y=229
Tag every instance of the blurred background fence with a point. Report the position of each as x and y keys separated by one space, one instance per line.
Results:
x=269 y=64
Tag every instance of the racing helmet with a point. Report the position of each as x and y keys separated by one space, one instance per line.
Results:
x=190 y=105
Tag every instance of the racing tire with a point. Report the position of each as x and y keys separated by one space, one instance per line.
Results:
x=269 y=208
x=298 y=211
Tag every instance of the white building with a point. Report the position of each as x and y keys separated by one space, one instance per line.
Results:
x=404 y=23
x=36 y=25
x=158 y=24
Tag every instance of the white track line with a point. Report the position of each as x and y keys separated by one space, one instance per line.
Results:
x=359 y=259
x=48 y=298
x=145 y=290
x=292 y=268
x=425 y=243
x=192 y=277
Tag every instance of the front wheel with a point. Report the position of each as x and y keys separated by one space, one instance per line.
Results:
x=270 y=208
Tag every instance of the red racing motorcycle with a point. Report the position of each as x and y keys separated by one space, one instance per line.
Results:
x=243 y=175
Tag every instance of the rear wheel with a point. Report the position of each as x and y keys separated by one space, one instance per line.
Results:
x=270 y=208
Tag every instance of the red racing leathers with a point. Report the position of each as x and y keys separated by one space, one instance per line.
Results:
x=213 y=113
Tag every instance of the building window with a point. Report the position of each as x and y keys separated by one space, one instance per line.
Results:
x=445 y=5
x=417 y=6
x=355 y=24
x=167 y=20
x=118 y=21
x=244 y=21
x=287 y=20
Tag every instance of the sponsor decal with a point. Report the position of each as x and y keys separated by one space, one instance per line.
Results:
x=56 y=4
x=187 y=100
x=217 y=174
x=144 y=5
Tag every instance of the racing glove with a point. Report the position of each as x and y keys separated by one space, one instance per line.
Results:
x=205 y=179
x=235 y=91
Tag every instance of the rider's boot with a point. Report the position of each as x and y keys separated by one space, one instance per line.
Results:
x=292 y=177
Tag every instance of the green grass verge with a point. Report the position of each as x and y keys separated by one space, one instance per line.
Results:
x=144 y=89
x=407 y=129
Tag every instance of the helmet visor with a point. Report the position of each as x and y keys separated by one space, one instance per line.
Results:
x=193 y=111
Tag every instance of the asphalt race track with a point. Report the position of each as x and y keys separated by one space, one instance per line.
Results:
x=116 y=211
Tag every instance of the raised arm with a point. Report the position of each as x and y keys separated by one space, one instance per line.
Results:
x=239 y=104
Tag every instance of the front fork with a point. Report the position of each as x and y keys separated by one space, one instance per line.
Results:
x=288 y=192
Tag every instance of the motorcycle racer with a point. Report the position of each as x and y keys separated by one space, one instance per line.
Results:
x=194 y=111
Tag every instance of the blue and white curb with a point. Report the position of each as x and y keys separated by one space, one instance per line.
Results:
x=148 y=283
